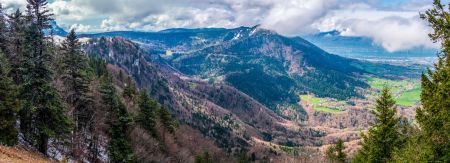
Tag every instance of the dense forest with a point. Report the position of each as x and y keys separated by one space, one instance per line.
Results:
x=62 y=101
x=68 y=105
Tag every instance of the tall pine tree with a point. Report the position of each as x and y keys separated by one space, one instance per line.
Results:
x=434 y=116
x=43 y=116
x=16 y=39
x=3 y=31
x=76 y=80
x=147 y=112
x=130 y=88
x=383 y=137
x=9 y=105
x=119 y=147
x=336 y=152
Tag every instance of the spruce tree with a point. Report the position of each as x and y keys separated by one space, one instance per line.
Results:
x=130 y=88
x=16 y=37
x=98 y=66
x=166 y=119
x=204 y=158
x=146 y=116
x=336 y=152
x=434 y=115
x=43 y=116
x=76 y=80
x=383 y=137
x=119 y=147
x=3 y=31
x=9 y=105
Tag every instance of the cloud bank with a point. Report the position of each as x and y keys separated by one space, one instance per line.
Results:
x=394 y=27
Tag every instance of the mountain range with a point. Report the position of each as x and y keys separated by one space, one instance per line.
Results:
x=240 y=88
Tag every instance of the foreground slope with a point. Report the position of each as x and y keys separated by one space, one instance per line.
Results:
x=20 y=155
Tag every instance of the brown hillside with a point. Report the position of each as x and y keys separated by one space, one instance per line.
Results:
x=20 y=155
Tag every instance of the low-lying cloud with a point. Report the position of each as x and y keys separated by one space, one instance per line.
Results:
x=394 y=31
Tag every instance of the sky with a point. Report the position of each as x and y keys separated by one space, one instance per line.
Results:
x=393 y=24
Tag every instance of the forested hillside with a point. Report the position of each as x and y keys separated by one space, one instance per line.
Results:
x=210 y=95
x=66 y=105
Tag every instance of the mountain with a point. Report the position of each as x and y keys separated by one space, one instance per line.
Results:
x=232 y=92
x=361 y=47
x=224 y=114
x=240 y=88
x=271 y=68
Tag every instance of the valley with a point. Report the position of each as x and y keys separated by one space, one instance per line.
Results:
x=307 y=91
x=224 y=81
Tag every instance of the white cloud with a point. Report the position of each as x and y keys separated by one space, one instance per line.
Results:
x=13 y=4
x=393 y=33
x=296 y=17
x=66 y=10
x=394 y=30
x=82 y=28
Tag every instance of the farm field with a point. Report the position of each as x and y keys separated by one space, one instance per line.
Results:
x=324 y=104
x=406 y=92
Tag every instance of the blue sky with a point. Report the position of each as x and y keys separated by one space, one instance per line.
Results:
x=394 y=24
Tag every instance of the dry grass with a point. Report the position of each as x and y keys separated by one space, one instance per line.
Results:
x=20 y=155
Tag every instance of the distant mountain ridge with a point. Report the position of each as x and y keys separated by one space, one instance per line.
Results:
x=269 y=67
x=331 y=41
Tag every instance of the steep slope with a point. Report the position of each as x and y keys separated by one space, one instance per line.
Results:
x=229 y=117
x=273 y=69
x=270 y=68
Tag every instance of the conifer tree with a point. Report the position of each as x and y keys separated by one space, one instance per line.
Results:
x=76 y=80
x=98 y=66
x=75 y=68
x=243 y=157
x=9 y=105
x=130 y=88
x=434 y=115
x=43 y=116
x=119 y=147
x=3 y=31
x=146 y=115
x=166 y=120
x=204 y=158
x=16 y=39
x=383 y=137
x=336 y=152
